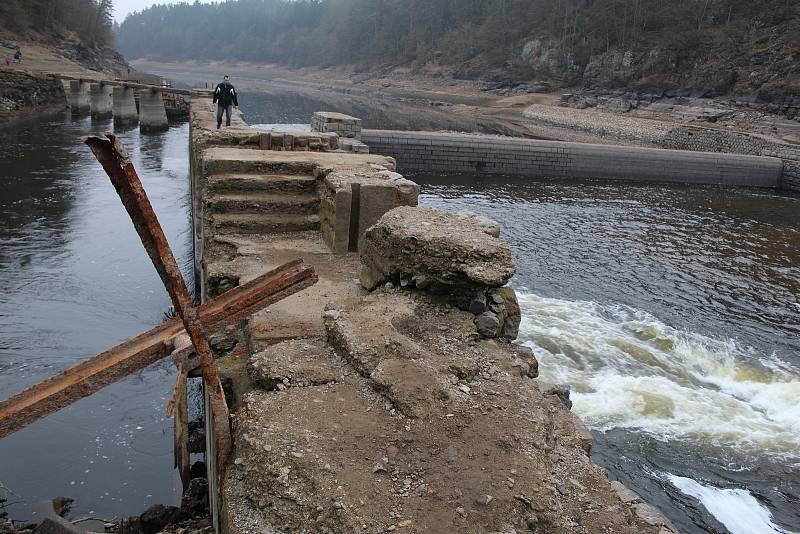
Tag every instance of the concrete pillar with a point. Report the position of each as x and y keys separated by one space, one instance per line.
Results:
x=152 y=115
x=100 y=96
x=78 y=97
x=124 y=106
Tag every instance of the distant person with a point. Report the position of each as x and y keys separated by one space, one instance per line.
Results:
x=8 y=60
x=18 y=55
x=225 y=99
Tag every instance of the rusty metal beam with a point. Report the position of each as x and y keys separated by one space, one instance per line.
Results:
x=135 y=354
x=114 y=158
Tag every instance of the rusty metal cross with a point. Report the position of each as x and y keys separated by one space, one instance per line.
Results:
x=87 y=377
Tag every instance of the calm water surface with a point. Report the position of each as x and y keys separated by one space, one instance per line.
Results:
x=74 y=280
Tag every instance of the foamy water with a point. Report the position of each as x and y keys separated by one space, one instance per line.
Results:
x=629 y=370
x=737 y=509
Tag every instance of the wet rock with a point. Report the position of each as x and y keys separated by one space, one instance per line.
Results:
x=559 y=390
x=625 y=494
x=62 y=505
x=198 y=470
x=510 y=309
x=478 y=304
x=488 y=324
x=194 y=502
x=454 y=253
x=222 y=344
x=652 y=516
x=157 y=517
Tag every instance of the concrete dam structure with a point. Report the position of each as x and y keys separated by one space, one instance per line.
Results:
x=434 y=153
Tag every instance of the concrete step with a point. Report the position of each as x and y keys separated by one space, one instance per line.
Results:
x=259 y=223
x=233 y=160
x=265 y=203
x=265 y=183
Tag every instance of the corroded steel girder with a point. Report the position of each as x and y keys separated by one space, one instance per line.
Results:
x=114 y=158
x=113 y=365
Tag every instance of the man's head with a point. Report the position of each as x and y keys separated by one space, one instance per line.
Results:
x=226 y=79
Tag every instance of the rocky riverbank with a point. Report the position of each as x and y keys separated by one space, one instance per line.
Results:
x=23 y=94
x=191 y=517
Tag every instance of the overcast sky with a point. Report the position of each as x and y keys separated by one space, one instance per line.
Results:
x=123 y=7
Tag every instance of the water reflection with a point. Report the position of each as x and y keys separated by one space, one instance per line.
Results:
x=75 y=280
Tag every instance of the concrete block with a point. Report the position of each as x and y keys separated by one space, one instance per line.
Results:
x=100 y=101
x=123 y=106
x=78 y=97
x=152 y=114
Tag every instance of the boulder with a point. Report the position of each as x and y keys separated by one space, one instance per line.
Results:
x=157 y=517
x=453 y=254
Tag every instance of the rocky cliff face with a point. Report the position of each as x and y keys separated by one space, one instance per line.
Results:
x=763 y=68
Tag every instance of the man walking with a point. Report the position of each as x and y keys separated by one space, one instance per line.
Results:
x=225 y=99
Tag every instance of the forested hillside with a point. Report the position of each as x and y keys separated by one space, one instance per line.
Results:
x=715 y=44
x=48 y=20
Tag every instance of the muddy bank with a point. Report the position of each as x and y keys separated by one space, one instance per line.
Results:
x=396 y=101
x=24 y=94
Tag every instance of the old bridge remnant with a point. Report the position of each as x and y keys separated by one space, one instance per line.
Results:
x=104 y=98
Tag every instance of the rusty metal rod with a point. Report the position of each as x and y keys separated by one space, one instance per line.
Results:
x=114 y=158
x=116 y=363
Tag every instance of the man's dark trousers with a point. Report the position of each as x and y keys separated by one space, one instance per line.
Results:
x=228 y=112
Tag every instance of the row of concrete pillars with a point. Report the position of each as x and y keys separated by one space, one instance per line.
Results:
x=105 y=101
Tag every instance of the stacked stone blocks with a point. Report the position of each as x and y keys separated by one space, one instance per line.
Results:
x=495 y=155
x=338 y=123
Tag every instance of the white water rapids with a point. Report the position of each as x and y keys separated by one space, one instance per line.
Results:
x=629 y=370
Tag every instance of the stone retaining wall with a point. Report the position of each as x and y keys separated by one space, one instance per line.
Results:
x=601 y=127
x=428 y=152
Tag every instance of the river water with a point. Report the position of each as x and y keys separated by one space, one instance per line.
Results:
x=674 y=315
x=74 y=280
x=672 y=312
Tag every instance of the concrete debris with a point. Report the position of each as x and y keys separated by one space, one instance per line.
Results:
x=453 y=252
x=293 y=363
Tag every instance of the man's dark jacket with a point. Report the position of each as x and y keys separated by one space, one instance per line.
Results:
x=225 y=95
